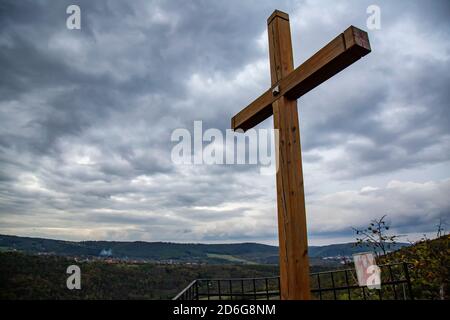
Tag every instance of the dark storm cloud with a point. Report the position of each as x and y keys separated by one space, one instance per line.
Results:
x=391 y=111
x=86 y=115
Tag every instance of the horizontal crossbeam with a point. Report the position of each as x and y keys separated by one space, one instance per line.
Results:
x=344 y=50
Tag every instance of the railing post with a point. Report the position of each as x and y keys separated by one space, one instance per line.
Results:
x=279 y=288
x=348 y=286
x=196 y=290
x=334 y=286
x=380 y=294
x=408 y=280
x=231 y=290
x=320 y=288
x=391 y=275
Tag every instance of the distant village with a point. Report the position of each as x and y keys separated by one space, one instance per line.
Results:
x=106 y=256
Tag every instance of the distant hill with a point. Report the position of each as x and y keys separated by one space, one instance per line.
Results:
x=345 y=249
x=240 y=253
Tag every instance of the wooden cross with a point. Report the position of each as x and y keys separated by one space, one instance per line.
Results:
x=289 y=84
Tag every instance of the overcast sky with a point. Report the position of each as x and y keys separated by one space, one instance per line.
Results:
x=86 y=118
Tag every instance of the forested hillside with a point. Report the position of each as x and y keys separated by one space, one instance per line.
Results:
x=25 y=276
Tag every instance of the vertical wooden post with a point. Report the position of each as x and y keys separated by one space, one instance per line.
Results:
x=294 y=262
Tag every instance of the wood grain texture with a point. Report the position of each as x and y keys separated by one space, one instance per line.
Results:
x=292 y=233
x=291 y=84
x=341 y=52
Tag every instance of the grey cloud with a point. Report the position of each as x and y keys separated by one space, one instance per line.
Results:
x=86 y=116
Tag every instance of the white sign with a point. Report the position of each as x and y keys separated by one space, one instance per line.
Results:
x=367 y=271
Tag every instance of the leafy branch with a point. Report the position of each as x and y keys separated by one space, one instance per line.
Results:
x=376 y=236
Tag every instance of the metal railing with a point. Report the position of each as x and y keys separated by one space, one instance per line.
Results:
x=232 y=289
x=329 y=285
x=343 y=284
